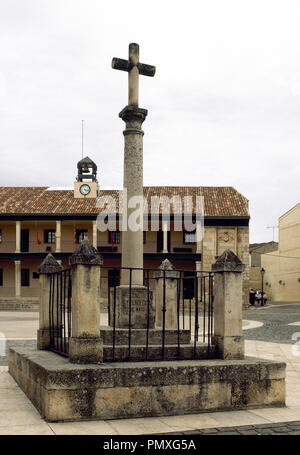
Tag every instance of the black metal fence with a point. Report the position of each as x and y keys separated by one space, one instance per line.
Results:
x=190 y=336
x=194 y=314
x=60 y=311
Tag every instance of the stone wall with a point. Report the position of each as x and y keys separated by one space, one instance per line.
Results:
x=255 y=278
x=217 y=239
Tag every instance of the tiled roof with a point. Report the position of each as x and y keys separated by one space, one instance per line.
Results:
x=218 y=201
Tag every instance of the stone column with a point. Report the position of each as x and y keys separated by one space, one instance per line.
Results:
x=132 y=300
x=18 y=236
x=58 y=237
x=47 y=267
x=18 y=279
x=132 y=241
x=95 y=234
x=228 y=301
x=85 y=345
x=166 y=285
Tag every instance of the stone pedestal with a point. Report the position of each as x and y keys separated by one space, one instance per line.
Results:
x=47 y=267
x=166 y=290
x=61 y=391
x=85 y=344
x=228 y=301
x=141 y=306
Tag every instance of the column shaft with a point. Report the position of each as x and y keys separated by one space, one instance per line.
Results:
x=165 y=237
x=18 y=236
x=132 y=238
x=58 y=237
x=18 y=279
x=95 y=234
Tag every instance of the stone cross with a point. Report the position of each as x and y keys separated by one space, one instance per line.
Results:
x=134 y=68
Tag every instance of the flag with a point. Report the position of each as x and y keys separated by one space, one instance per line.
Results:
x=37 y=237
x=75 y=235
x=112 y=239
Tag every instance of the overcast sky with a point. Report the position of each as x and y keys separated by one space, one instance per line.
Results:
x=223 y=106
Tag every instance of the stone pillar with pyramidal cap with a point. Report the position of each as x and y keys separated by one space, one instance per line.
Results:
x=85 y=345
x=132 y=240
x=228 y=302
x=166 y=289
x=47 y=267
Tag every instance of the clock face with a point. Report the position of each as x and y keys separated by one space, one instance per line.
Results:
x=84 y=189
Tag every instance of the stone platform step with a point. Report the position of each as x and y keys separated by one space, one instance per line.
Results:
x=138 y=353
x=23 y=304
x=138 y=336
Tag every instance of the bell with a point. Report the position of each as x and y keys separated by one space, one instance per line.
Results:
x=85 y=168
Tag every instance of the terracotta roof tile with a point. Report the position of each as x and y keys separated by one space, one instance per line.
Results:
x=218 y=201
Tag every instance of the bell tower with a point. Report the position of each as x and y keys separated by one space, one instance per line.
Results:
x=86 y=185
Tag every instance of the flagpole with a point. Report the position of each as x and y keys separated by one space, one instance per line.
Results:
x=82 y=138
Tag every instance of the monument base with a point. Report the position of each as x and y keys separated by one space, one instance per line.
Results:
x=133 y=303
x=63 y=391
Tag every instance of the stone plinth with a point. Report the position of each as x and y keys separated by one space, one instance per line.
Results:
x=166 y=290
x=62 y=391
x=141 y=304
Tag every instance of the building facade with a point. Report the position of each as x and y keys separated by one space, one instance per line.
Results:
x=282 y=267
x=37 y=220
x=255 y=262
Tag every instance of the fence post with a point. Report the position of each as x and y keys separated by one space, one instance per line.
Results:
x=169 y=290
x=45 y=270
x=228 y=302
x=85 y=345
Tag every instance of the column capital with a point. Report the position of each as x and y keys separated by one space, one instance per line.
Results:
x=86 y=254
x=132 y=112
x=228 y=262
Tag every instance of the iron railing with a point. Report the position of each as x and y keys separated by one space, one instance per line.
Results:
x=194 y=311
x=60 y=311
x=190 y=338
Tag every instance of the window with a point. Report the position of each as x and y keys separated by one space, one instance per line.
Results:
x=113 y=278
x=189 y=237
x=114 y=237
x=49 y=236
x=144 y=236
x=160 y=241
x=1 y=277
x=189 y=285
x=81 y=235
x=0 y=235
x=24 y=240
x=35 y=275
x=24 y=277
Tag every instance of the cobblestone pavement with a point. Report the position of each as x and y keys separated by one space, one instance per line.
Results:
x=284 y=428
x=268 y=333
x=276 y=318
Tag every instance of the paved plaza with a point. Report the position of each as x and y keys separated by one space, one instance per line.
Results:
x=271 y=333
